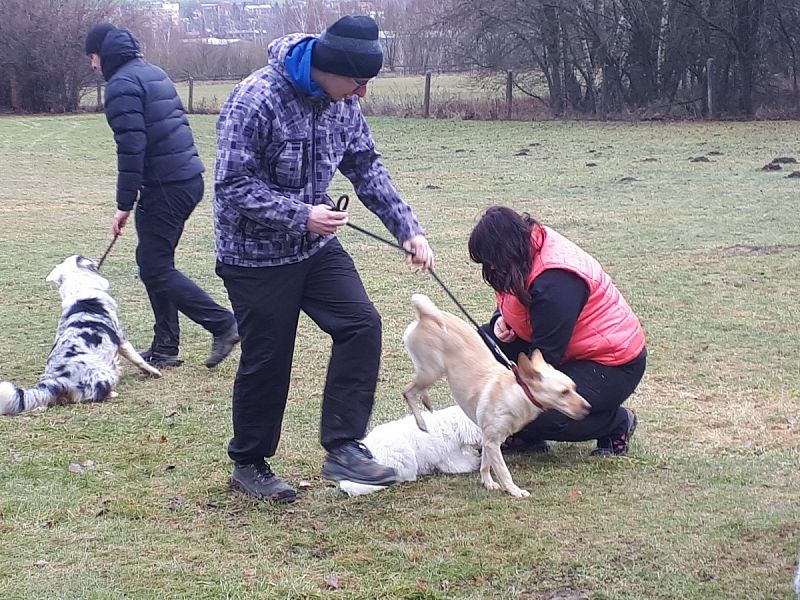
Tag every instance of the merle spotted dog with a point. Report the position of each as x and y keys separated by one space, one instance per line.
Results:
x=83 y=364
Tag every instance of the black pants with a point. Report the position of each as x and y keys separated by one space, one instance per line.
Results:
x=267 y=302
x=160 y=217
x=604 y=387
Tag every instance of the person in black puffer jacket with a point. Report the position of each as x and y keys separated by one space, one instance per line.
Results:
x=157 y=161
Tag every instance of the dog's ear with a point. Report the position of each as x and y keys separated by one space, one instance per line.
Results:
x=533 y=367
x=528 y=367
x=537 y=360
x=87 y=263
x=56 y=275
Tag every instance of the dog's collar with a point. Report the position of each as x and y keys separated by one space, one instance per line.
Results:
x=525 y=388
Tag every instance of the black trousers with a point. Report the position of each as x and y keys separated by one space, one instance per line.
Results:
x=604 y=387
x=161 y=214
x=267 y=302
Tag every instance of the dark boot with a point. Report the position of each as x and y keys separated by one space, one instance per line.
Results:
x=515 y=444
x=618 y=445
x=352 y=461
x=222 y=345
x=161 y=360
x=257 y=480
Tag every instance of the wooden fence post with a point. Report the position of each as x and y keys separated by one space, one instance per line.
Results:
x=709 y=88
x=191 y=93
x=99 y=105
x=427 y=100
x=509 y=87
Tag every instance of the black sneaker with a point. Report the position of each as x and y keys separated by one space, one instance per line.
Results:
x=161 y=360
x=617 y=445
x=352 y=461
x=222 y=345
x=517 y=445
x=257 y=480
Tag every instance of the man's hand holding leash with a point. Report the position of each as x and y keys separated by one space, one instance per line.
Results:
x=419 y=252
x=325 y=220
x=120 y=219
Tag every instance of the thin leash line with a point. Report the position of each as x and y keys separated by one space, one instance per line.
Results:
x=108 y=250
x=341 y=205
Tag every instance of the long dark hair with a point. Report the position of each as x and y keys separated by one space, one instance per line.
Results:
x=501 y=244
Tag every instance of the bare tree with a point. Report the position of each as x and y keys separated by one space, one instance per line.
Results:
x=42 y=62
x=787 y=16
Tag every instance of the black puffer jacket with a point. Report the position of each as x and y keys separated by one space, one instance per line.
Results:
x=155 y=145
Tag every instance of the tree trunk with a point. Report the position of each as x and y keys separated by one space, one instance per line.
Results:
x=14 y=90
x=662 y=45
x=748 y=22
x=552 y=45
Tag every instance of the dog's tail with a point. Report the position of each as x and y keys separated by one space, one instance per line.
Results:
x=426 y=309
x=15 y=400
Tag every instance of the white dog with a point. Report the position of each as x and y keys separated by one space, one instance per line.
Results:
x=82 y=366
x=442 y=345
x=450 y=446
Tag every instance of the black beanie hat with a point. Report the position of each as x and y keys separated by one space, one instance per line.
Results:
x=349 y=47
x=95 y=37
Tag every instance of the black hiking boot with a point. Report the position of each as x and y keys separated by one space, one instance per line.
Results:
x=257 y=479
x=222 y=345
x=617 y=445
x=352 y=461
x=161 y=360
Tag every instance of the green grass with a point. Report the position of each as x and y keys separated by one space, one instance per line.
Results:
x=706 y=506
x=387 y=93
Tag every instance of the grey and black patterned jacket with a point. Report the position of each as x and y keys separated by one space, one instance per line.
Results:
x=277 y=152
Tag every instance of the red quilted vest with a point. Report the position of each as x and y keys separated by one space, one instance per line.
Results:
x=606 y=331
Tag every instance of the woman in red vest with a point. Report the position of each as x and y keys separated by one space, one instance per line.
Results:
x=554 y=296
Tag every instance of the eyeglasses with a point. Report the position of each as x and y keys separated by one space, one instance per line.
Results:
x=359 y=85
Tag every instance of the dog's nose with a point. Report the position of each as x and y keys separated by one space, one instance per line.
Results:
x=583 y=410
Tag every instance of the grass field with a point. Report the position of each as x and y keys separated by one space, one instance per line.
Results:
x=706 y=505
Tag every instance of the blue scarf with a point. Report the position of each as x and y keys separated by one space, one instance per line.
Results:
x=298 y=64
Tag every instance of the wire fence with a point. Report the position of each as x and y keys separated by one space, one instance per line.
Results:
x=428 y=95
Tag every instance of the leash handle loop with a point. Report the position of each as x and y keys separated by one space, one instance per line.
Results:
x=342 y=202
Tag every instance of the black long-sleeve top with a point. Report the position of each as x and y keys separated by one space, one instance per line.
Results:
x=557 y=298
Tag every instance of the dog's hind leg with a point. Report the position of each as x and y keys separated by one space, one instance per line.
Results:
x=410 y=393
x=424 y=377
x=127 y=350
x=426 y=400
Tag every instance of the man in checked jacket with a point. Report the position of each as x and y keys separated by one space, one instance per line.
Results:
x=282 y=134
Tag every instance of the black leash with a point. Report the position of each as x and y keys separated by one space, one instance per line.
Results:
x=108 y=250
x=341 y=205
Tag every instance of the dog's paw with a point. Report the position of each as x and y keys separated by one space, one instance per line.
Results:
x=519 y=492
x=491 y=484
x=113 y=395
